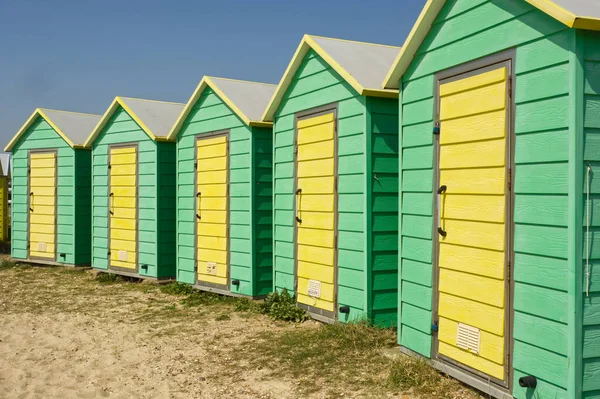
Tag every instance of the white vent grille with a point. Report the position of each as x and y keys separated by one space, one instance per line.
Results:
x=467 y=338
x=211 y=268
x=314 y=288
x=41 y=246
x=122 y=256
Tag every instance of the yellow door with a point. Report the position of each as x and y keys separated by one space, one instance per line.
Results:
x=212 y=198
x=315 y=212
x=42 y=205
x=472 y=208
x=122 y=207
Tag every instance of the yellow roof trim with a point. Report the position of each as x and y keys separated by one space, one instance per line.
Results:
x=433 y=7
x=306 y=44
x=208 y=82
x=37 y=113
x=117 y=102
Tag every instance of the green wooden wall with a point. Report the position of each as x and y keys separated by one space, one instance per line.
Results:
x=365 y=259
x=73 y=191
x=464 y=31
x=382 y=210
x=82 y=226
x=591 y=304
x=250 y=201
x=155 y=162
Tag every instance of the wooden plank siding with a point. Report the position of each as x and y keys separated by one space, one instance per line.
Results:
x=82 y=226
x=316 y=84
x=466 y=30
x=42 y=136
x=122 y=129
x=249 y=190
x=591 y=303
x=383 y=183
x=167 y=206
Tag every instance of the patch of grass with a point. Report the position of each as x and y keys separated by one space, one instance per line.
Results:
x=7 y=264
x=177 y=288
x=202 y=298
x=108 y=278
x=282 y=306
x=223 y=317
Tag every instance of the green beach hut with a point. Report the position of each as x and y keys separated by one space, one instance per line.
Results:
x=224 y=188
x=500 y=119
x=133 y=189
x=336 y=181
x=51 y=189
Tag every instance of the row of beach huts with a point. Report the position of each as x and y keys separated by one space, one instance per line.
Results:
x=446 y=187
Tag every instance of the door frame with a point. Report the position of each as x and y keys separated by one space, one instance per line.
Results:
x=42 y=151
x=137 y=207
x=314 y=312
x=486 y=64
x=204 y=284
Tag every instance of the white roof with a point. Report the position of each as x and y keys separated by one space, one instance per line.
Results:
x=5 y=163
x=250 y=97
x=368 y=63
x=158 y=116
x=581 y=8
x=76 y=127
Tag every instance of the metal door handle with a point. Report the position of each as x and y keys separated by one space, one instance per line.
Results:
x=198 y=203
x=112 y=203
x=298 y=192
x=31 y=197
x=441 y=190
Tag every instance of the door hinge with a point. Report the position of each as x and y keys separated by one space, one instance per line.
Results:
x=108 y=253
x=436 y=128
x=296 y=149
x=335 y=183
x=508 y=272
x=510 y=87
x=108 y=166
x=335 y=242
x=509 y=179
x=196 y=165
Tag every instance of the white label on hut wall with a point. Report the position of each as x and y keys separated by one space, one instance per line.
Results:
x=314 y=288
x=41 y=247
x=211 y=268
x=467 y=338
x=122 y=256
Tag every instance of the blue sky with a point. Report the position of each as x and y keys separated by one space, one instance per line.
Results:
x=77 y=55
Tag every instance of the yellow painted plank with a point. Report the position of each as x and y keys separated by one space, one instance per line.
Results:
x=491 y=125
x=48 y=171
x=212 y=151
x=48 y=254
x=47 y=237
x=42 y=155
x=124 y=202
x=479 y=154
x=219 y=163
x=212 y=177
x=41 y=209
x=472 y=260
x=327 y=291
x=208 y=242
x=316 y=120
x=473 y=361
x=317 y=168
x=314 y=271
x=41 y=220
x=43 y=192
x=121 y=245
x=123 y=181
x=120 y=192
x=491 y=347
x=42 y=228
x=122 y=159
x=317 y=303
x=474 y=181
x=123 y=170
x=212 y=229
x=131 y=258
x=482 y=316
x=125 y=224
x=212 y=279
x=469 y=286
x=212 y=203
x=316 y=237
x=211 y=141
x=124 y=213
x=42 y=182
x=315 y=254
x=211 y=255
x=124 y=235
x=483 y=79
x=316 y=185
x=317 y=220
x=316 y=134
x=315 y=202
x=318 y=150
x=213 y=190
x=208 y=216
x=221 y=270
x=125 y=265
x=123 y=150
x=476 y=101
x=474 y=234
x=483 y=208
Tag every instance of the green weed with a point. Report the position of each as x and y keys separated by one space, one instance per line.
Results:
x=108 y=278
x=282 y=306
x=177 y=288
x=223 y=317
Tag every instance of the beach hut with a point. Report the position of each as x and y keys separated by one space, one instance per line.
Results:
x=336 y=180
x=51 y=188
x=500 y=111
x=133 y=189
x=224 y=188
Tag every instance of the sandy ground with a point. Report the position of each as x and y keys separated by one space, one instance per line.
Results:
x=65 y=335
